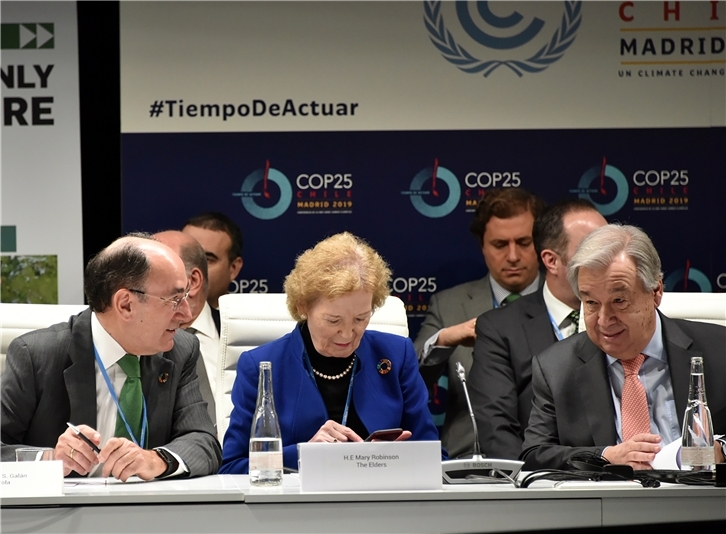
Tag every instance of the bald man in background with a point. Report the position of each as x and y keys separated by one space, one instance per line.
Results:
x=201 y=323
x=222 y=241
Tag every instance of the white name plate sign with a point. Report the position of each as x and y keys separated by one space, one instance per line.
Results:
x=370 y=466
x=31 y=479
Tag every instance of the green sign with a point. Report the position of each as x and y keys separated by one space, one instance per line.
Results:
x=27 y=35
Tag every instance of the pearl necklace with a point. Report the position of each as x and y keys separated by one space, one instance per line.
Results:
x=335 y=377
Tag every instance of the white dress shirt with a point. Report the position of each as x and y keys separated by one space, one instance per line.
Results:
x=206 y=332
x=110 y=352
x=655 y=376
x=500 y=293
x=559 y=312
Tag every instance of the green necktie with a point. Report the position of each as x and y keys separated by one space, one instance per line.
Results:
x=510 y=298
x=131 y=400
x=575 y=318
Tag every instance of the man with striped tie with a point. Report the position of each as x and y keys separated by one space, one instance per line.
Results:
x=620 y=390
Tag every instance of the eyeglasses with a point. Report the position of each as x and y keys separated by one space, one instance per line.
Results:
x=175 y=301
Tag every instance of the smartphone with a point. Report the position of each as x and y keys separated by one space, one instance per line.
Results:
x=389 y=434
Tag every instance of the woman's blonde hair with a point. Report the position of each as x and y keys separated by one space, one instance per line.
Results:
x=336 y=266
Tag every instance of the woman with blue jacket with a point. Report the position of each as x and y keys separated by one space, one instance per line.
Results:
x=334 y=381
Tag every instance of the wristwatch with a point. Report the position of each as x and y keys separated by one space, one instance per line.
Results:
x=722 y=442
x=172 y=464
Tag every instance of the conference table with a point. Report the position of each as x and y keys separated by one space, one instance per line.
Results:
x=227 y=503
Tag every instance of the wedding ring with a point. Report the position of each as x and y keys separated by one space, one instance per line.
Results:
x=335 y=440
x=71 y=454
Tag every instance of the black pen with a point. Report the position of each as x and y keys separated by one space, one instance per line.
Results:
x=83 y=437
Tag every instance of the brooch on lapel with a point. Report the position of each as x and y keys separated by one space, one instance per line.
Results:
x=384 y=366
x=163 y=377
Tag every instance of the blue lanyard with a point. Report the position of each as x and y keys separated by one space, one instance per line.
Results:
x=495 y=302
x=144 y=422
x=350 y=386
x=555 y=327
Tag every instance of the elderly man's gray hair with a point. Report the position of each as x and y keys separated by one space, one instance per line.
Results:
x=599 y=249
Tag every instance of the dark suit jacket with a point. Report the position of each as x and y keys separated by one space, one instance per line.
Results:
x=50 y=379
x=573 y=407
x=396 y=399
x=500 y=380
x=447 y=308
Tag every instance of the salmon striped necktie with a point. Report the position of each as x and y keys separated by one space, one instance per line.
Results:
x=634 y=402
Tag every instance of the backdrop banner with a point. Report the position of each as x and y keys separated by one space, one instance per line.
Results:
x=392 y=119
x=42 y=240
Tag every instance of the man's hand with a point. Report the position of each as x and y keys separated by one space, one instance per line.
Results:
x=637 y=452
x=122 y=459
x=460 y=334
x=75 y=453
x=718 y=453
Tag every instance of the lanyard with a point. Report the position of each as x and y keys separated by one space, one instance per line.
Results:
x=350 y=385
x=144 y=423
x=555 y=327
x=495 y=302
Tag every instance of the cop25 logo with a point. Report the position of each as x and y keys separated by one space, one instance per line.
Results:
x=610 y=196
x=265 y=193
x=682 y=277
x=553 y=49
x=432 y=200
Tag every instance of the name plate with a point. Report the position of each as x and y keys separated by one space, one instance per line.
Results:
x=32 y=479
x=370 y=466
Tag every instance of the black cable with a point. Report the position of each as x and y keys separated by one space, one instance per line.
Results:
x=559 y=475
x=697 y=478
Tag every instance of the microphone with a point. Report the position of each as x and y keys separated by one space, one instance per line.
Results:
x=477 y=469
x=462 y=376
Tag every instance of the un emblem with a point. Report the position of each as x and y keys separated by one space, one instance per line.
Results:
x=506 y=36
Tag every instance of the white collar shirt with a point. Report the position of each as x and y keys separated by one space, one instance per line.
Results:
x=559 y=312
x=206 y=332
x=110 y=352
x=500 y=293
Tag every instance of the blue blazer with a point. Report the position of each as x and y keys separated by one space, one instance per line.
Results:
x=396 y=399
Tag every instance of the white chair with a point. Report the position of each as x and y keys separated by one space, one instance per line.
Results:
x=703 y=307
x=17 y=319
x=249 y=320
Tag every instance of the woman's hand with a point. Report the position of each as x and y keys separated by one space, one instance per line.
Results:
x=404 y=436
x=332 y=432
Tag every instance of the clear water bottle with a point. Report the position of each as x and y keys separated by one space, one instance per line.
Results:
x=697 y=445
x=265 y=440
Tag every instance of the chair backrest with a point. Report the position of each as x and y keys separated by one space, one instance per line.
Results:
x=17 y=319
x=703 y=307
x=249 y=320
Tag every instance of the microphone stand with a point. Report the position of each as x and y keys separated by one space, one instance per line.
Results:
x=477 y=469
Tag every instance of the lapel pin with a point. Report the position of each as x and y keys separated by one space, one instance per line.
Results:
x=163 y=377
x=384 y=366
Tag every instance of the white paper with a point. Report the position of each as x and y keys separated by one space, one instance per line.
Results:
x=668 y=456
x=99 y=481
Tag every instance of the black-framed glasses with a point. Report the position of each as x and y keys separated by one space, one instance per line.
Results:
x=175 y=301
